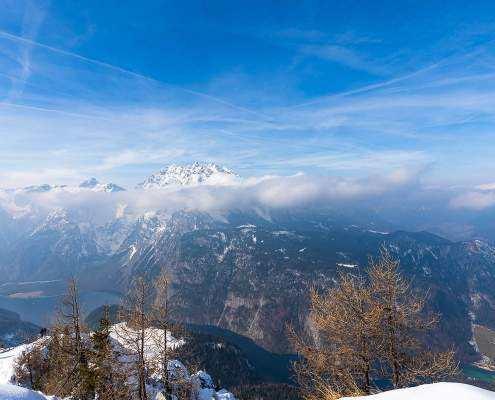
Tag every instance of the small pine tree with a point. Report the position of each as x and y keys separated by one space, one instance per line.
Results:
x=110 y=379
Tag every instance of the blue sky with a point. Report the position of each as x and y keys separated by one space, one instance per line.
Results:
x=117 y=90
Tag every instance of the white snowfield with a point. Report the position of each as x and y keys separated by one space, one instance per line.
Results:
x=434 y=391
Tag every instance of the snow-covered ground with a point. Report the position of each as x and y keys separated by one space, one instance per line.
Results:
x=435 y=391
x=9 y=391
x=121 y=338
x=12 y=392
x=7 y=362
x=126 y=338
x=204 y=386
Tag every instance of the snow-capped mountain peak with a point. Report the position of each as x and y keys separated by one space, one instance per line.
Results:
x=194 y=174
x=95 y=185
x=89 y=184
x=42 y=188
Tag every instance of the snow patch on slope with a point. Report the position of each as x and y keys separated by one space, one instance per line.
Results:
x=91 y=184
x=347 y=265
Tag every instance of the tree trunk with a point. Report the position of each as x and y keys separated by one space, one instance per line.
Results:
x=366 y=385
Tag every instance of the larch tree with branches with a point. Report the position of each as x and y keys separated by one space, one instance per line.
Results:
x=341 y=353
x=403 y=320
x=364 y=327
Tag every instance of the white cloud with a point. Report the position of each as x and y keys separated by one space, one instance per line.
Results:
x=486 y=186
x=19 y=178
x=262 y=193
x=474 y=200
x=143 y=156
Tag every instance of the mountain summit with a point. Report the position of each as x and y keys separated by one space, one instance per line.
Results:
x=194 y=174
x=95 y=185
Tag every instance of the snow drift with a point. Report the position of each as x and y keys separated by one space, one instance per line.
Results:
x=435 y=391
x=12 y=392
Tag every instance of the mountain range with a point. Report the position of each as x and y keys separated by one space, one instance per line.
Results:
x=248 y=271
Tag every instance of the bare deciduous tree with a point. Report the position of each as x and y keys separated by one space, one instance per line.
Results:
x=364 y=327
x=340 y=353
x=79 y=380
x=403 y=321
x=134 y=330
x=64 y=369
x=161 y=314
x=174 y=380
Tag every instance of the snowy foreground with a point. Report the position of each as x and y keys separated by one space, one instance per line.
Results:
x=435 y=391
x=201 y=382
x=205 y=390
x=7 y=363
x=12 y=392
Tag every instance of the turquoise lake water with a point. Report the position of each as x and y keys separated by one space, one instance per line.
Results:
x=478 y=373
x=42 y=309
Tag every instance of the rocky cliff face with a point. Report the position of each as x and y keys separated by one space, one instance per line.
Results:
x=251 y=275
x=254 y=279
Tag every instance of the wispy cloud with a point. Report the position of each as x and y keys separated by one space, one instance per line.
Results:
x=345 y=56
x=141 y=156
x=73 y=113
x=356 y=160
x=28 y=43
x=32 y=20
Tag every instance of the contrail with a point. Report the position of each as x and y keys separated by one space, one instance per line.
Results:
x=54 y=110
x=397 y=79
x=21 y=39
x=365 y=89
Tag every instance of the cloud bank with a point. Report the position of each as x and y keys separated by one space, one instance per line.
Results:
x=260 y=194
